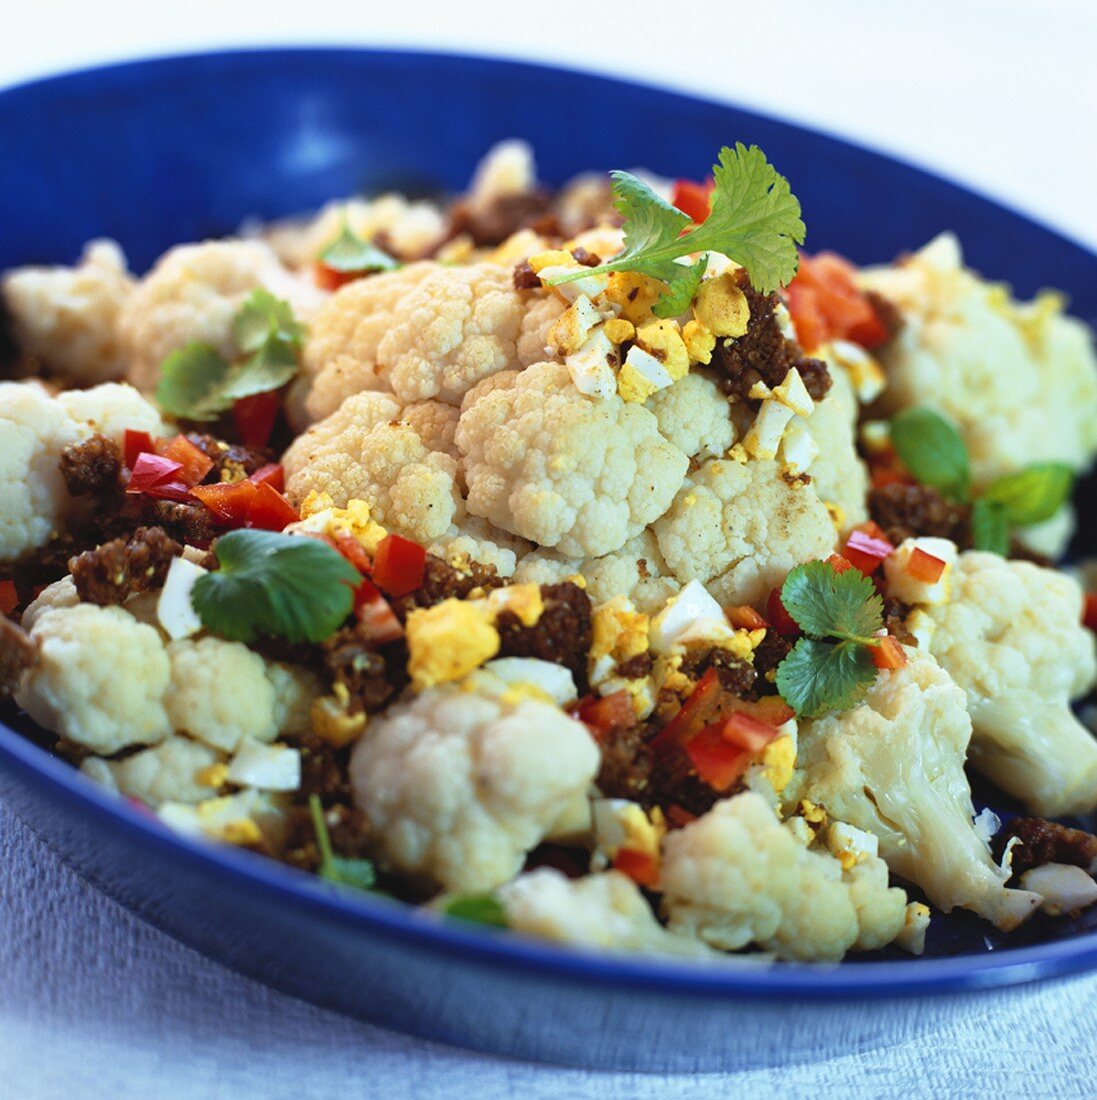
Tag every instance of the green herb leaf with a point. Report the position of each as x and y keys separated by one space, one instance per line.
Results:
x=755 y=219
x=817 y=678
x=290 y=586
x=191 y=380
x=680 y=292
x=989 y=527
x=932 y=450
x=477 y=908
x=1033 y=494
x=270 y=368
x=262 y=318
x=349 y=253
x=358 y=873
x=829 y=604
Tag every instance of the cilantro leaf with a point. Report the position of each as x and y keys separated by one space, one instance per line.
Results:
x=191 y=380
x=358 y=873
x=681 y=289
x=270 y=368
x=477 y=908
x=263 y=318
x=989 y=527
x=1033 y=494
x=350 y=253
x=817 y=678
x=755 y=220
x=829 y=604
x=294 y=587
x=932 y=450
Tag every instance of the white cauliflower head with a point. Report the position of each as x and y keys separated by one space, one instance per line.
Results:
x=366 y=451
x=457 y=327
x=894 y=767
x=475 y=539
x=542 y=312
x=606 y=911
x=739 y=527
x=737 y=876
x=178 y=770
x=459 y=786
x=67 y=317
x=695 y=416
x=1012 y=638
x=564 y=470
x=35 y=428
x=1020 y=381
x=193 y=293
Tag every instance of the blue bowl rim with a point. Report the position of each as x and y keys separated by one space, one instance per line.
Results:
x=284 y=885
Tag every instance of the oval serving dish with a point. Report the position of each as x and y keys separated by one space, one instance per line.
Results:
x=159 y=151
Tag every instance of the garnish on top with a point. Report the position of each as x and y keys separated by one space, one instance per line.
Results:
x=358 y=873
x=935 y=454
x=349 y=254
x=754 y=220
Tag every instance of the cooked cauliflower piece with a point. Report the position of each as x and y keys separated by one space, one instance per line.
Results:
x=474 y=539
x=578 y=474
x=542 y=312
x=1019 y=380
x=457 y=327
x=459 y=786
x=506 y=169
x=178 y=770
x=1013 y=639
x=35 y=428
x=66 y=318
x=737 y=876
x=193 y=293
x=695 y=416
x=739 y=527
x=366 y=451
x=605 y=910
x=893 y=766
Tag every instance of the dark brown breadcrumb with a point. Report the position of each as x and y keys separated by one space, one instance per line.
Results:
x=895 y=616
x=887 y=313
x=18 y=652
x=771 y=651
x=626 y=763
x=908 y=511
x=122 y=567
x=562 y=634
x=231 y=461
x=1043 y=842
x=92 y=466
x=442 y=581
x=736 y=676
x=636 y=668
x=764 y=353
x=370 y=677
x=493 y=223
x=524 y=277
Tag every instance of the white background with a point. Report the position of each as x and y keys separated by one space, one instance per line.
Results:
x=998 y=93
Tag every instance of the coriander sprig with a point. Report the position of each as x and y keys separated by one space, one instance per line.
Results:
x=477 y=909
x=935 y=454
x=754 y=219
x=358 y=873
x=831 y=667
x=350 y=254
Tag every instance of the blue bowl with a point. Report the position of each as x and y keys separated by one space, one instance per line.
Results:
x=162 y=151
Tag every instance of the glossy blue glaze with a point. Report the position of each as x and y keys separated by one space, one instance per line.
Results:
x=161 y=151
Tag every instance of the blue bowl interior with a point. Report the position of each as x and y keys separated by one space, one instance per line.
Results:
x=157 y=152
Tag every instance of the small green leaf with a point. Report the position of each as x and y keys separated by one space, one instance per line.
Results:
x=681 y=289
x=357 y=873
x=190 y=383
x=477 y=908
x=989 y=527
x=270 y=368
x=268 y=583
x=1033 y=494
x=349 y=253
x=829 y=604
x=263 y=317
x=817 y=678
x=932 y=450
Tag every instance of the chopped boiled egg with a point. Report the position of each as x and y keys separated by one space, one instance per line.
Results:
x=552 y=680
x=912 y=936
x=447 y=641
x=794 y=394
x=865 y=373
x=721 y=307
x=592 y=366
x=641 y=376
x=798 y=448
x=1063 y=887
x=265 y=767
x=919 y=571
x=764 y=436
x=691 y=614
x=174 y=610
x=570 y=330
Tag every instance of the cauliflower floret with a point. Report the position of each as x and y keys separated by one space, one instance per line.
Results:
x=739 y=527
x=541 y=314
x=365 y=451
x=34 y=429
x=894 y=766
x=475 y=539
x=1013 y=639
x=193 y=293
x=506 y=169
x=435 y=423
x=457 y=326
x=695 y=416
x=66 y=317
x=606 y=911
x=178 y=770
x=459 y=786
x=561 y=469
x=737 y=876
x=340 y=351
x=100 y=679
x=1003 y=372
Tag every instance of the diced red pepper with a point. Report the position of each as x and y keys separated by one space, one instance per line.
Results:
x=270 y=511
x=678 y=817
x=1089 y=614
x=155 y=476
x=826 y=304
x=379 y=623
x=779 y=618
x=717 y=761
x=271 y=474
x=9 y=598
x=924 y=567
x=641 y=867
x=693 y=714
x=136 y=443
x=839 y=564
x=229 y=503
x=327 y=278
x=812 y=330
x=194 y=462
x=770 y=709
x=254 y=417
x=866 y=548
x=693 y=199
x=607 y=712
x=888 y=653
x=745 y=618
x=398 y=565
x=353 y=551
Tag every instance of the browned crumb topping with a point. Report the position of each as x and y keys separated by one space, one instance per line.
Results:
x=562 y=634
x=124 y=566
x=1043 y=842
x=92 y=466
